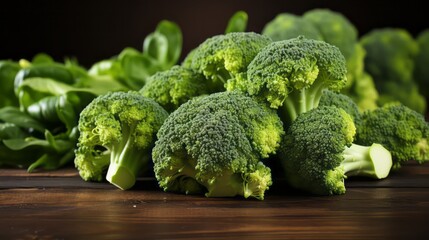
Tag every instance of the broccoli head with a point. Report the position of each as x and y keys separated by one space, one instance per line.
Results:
x=331 y=98
x=403 y=131
x=318 y=153
x=223 y=57
x=291 y=74
x=173 y=87
x=286 y=26
x=214 y=145
x=117 y=131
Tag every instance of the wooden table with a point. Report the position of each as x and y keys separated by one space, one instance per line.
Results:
x=59 y=205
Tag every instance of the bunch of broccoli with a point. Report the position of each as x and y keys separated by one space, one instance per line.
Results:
x=298 y=94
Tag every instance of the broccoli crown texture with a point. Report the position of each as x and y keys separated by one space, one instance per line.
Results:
x=173 y=87
x=223 y=57
x=285 y=26
x=403 y=131
x=214 y=144
x=331 y=98
x=117 y=131
x=292 y=73
x=317 y=152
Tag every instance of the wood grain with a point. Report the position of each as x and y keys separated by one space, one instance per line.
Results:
x=52 y=206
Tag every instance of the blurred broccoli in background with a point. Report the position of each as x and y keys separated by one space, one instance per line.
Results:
x=421 y=71
x=286 y=26
x=390 y=59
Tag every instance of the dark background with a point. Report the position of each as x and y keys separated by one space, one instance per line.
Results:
x=95 y=30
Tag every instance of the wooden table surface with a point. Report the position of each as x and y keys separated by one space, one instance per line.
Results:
x=59 y=205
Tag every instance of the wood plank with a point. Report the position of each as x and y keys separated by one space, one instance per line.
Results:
x=114 y=214
x=60 y=205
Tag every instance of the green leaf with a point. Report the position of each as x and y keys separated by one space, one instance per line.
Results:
x=174 y=38
x=138 y=68
x=155 y=46
x=237 y=23
x=21 y=119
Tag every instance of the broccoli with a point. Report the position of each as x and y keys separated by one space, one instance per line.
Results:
x=175 y=86
x=291 y=74
x=318 y=153
x=224 y=57
x=286 y=26
x=421 y=71
x=390 y=60
x=400 y=129
x=117 y=131
x=330 y=98
x=214 y=145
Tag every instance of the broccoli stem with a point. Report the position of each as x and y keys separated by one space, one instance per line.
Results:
x=126 y=161
x=303 y=100
x=373 y=161
x=253 y=184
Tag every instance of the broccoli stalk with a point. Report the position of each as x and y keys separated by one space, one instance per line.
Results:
x=117 y=131
x=368 y=161
x=302 y=101
x=126 y=162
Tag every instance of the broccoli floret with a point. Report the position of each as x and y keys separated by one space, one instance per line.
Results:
x=286 y=26
x=331 y=98
x=224 y=57
x=421 y=71
x=173 y=87
x=400 y=129
x=291 y=74
x=318 y=153
x=214 y=145
x=117 y=131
